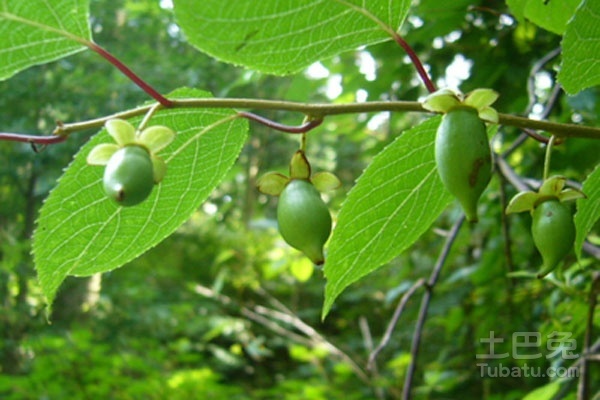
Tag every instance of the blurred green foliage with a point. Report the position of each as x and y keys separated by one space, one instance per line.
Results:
x=210 y=312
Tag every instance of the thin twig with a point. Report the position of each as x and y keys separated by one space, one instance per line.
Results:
x=583 y=389
x=246 y=312
x=33 y=139
x=392 y=324
x=416 y=342
x=537 y=67
x=588 y=354
x=399 y=40
x=363 y=324
x=305 y=127
x=536 y=136
x=318 y=339
x=510 y=175
x=129 y=73
x=314 y=111
x=313 y=338
x=505 y=225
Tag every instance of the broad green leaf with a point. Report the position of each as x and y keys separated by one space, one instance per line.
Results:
x=551 y=15
x=81 y=232
x=588 y=210
x=393 y=203
x=517 y=8
x=39 y=31
x=580 y=67
x=284 y=36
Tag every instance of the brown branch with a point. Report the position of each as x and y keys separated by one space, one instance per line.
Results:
x=393 y=322
x=305 y=127
x=399 y=40
x=314 y=111
x=416 y=342
x=583 y=389
x=33 y=139
x=505 y=225
x=258 y=314
x=129 y=73
x=365 y=331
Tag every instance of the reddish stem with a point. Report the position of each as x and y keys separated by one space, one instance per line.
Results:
x=534 y=135
x=281 y=127
x=130 y=74
x=416 y=62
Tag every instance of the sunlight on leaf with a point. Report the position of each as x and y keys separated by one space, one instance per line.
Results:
x=588 y=210
x=580 y=68
x=35 y=32
x=394 y=202
x=81 y=232
x=283 y=37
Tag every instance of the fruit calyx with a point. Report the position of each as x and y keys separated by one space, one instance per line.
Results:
x=552 y=227
x=130 y=142
x=303 y=217
x=552 y=188
x=445 y=100
x=273 y=183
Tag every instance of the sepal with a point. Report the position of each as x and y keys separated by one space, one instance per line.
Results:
x=272 y=183
x=101 y=153
x=121 y=131
x=299 y=166
x=325 y=181
x=523 y=201
x=156 y=138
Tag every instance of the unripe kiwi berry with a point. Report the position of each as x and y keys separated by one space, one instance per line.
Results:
x=304 y=219
x=553 y=232
x=463 y=157
x=128 y=177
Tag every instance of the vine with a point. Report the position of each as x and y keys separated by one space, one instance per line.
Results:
x=315 y=112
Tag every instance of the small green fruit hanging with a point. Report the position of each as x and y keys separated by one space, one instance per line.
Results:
x=463 y=157
x=553 y=232
x=462 y=151
x=304 y=220
x=128 y=177
x=552 y=226
x=302 y=215
x=132 y=166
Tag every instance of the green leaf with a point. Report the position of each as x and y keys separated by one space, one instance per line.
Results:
x=588 y=210
x=517 y=8
x=39 y=31
x=545 y=392
x=283 y=37
x=81 y=232
x=393 y=203
x=551 y=15
x=580 y=68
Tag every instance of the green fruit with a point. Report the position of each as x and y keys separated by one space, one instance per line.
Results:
x=304 y=220
x=463 y=157
x=128 y=177
x=553 y=233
